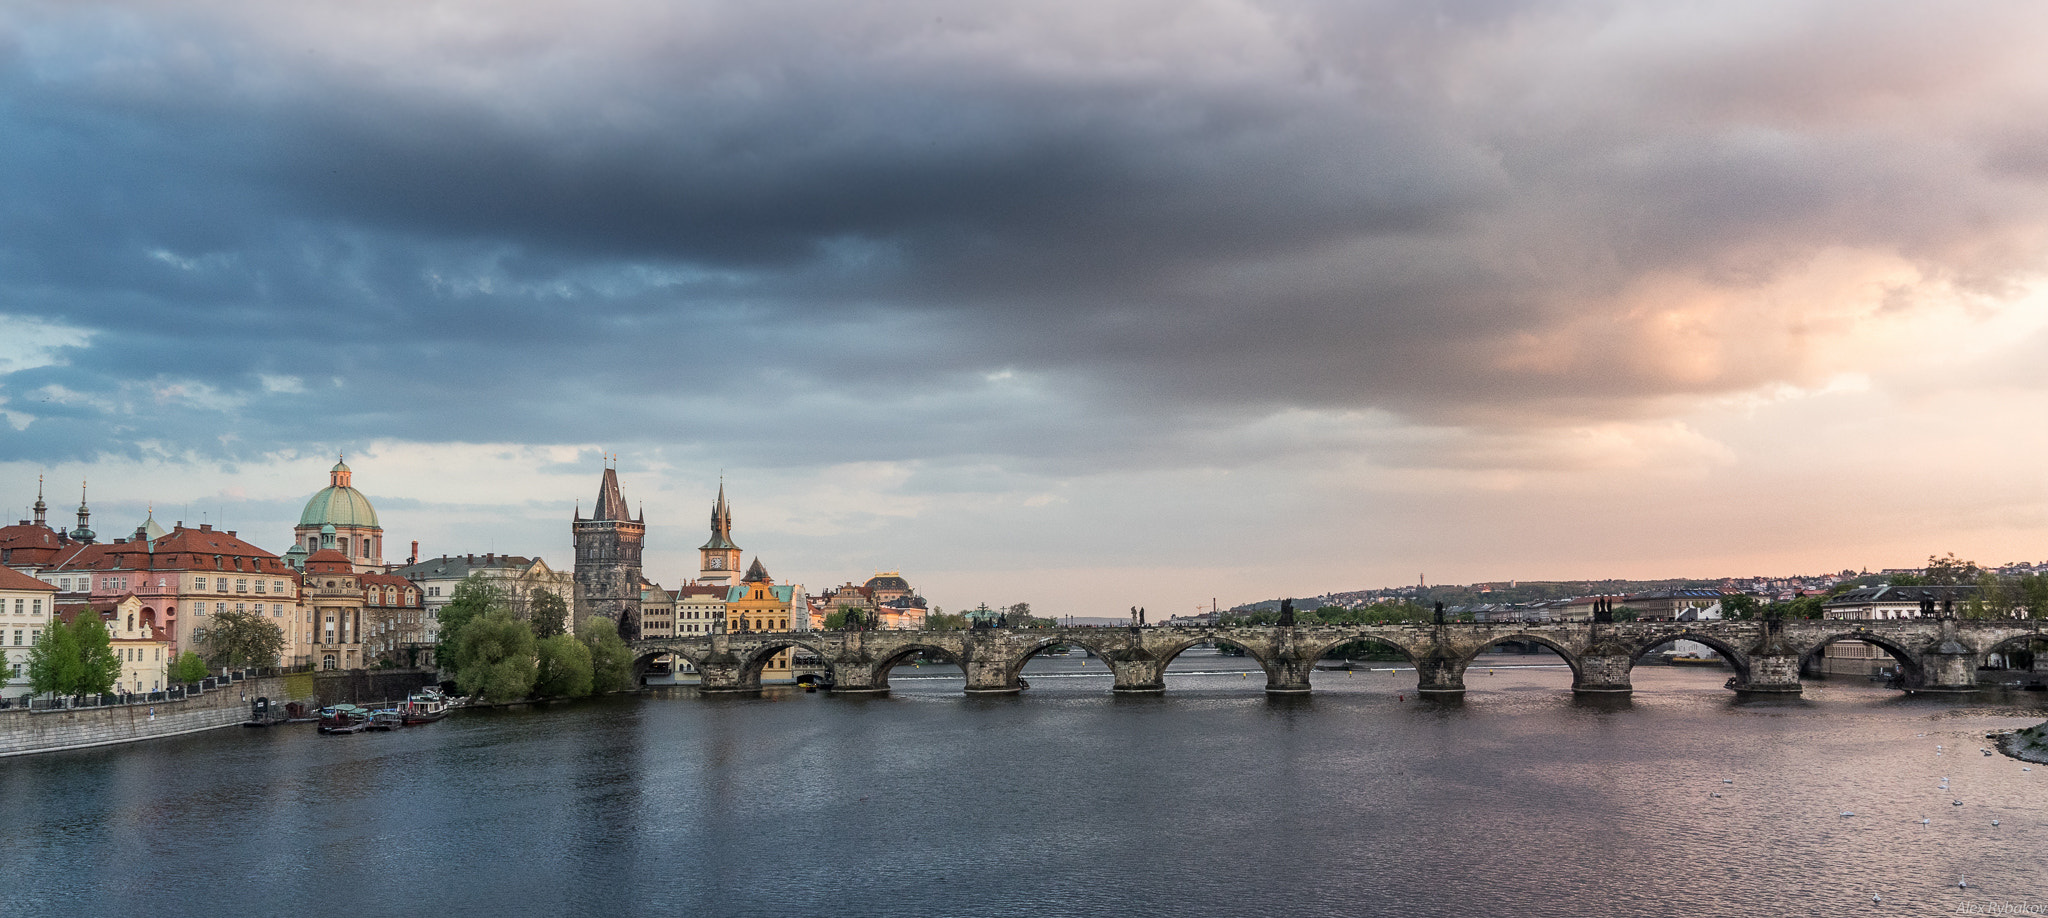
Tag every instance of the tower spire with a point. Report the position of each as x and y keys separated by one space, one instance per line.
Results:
x=84 y=531
x=42 y=509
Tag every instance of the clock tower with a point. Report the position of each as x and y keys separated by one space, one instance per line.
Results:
x=720 y=558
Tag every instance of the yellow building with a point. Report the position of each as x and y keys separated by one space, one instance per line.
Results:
x=139 y=645
x=756 y=603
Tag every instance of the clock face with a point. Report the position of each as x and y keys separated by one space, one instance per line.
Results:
x=717 y=563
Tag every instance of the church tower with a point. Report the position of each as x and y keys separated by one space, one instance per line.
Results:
x=720 y=558
x=608 y=560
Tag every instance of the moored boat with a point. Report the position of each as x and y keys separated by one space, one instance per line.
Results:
x=344 y=718
x=423 y=708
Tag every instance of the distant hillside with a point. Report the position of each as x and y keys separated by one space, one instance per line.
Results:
x=1468 y=594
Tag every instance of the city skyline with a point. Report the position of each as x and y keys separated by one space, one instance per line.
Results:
x=1084 y=306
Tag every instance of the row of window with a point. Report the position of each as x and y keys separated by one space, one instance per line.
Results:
x=32 y=634
x=33 y=607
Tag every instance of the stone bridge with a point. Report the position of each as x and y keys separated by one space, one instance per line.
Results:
x=1933 y=655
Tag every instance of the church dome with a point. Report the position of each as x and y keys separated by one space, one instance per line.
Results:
x=339 y=505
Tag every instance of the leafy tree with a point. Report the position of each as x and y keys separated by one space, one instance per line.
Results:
x=472 y=599
x=611 y=661
x=53 y=661
x=2033 y=590
x=1625 y=614
x=495 y=657
x=564 y=667
x=550 y=615
x=74 y=659
x=944 y=621
x=1950 y=571
x=1740 y=607
x=188 y=667
x=1020 y=610
x=243 y=639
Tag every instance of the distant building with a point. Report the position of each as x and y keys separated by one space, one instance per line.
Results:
x=517 y=578
x=183 y=577
x=718 y=559
x=26 y=606
x=334 y=600
x=757 y=603
x=357 y=535
x=1674 y=605
x=141 y=647
x=608 y=548
x=397 y=628
x=1885 y=602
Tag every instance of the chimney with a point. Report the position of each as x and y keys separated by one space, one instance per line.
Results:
x=472 y=559
x=490 y=557
x=231 y=533
x=205 y=527
x=415 y=559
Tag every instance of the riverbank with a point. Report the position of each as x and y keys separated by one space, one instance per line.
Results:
x=2029 y=745
x=25 y=732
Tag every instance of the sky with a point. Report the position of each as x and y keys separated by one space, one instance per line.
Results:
x=1087 y=305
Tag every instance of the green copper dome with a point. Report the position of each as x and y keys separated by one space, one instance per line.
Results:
x=339 y=505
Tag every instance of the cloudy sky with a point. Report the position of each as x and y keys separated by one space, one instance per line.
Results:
x=1085 y=304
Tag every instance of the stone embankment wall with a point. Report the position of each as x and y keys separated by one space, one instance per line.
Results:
x=358 y=686
x=24 y=732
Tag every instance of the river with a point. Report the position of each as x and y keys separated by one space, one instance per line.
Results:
x=1211 y=800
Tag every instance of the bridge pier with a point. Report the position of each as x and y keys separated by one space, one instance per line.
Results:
x=1288 y=675
x=1948 y=669
x=989 y=676
x=1769 y=674
x=1137 y=676
x=1441 y=676
x=1603 y=674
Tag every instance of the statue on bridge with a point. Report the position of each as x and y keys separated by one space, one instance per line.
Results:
x=1286 y=613
x=1439 y=613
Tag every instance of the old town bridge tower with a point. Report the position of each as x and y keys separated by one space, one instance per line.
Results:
x=608 y=560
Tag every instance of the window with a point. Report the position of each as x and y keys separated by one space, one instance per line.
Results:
x=199 y=583
x=277 y=610
x=17 y=637
x=36 y=607
x=198 y=635
x=238 y=609
x=241 y=585
x=276 y=586
x=199 y=608
x=259 y=586
x=219 y=607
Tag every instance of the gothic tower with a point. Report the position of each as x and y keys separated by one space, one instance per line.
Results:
x=720 y=557
x=608 y=560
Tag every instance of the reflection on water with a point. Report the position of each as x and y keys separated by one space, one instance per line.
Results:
x=1213 y=799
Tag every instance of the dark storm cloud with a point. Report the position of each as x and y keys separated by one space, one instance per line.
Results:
x=484 y=222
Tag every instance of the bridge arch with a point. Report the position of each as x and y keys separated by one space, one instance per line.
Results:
x=1571 y=659
x=756 y=659
x=1407 y=653
x=1016 y=669
x=646 y=657
x=1909 y=669
x=2030 y=642
x=900 y=654
x=1737 y=660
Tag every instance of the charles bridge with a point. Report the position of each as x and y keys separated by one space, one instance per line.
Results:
x=1933 y=654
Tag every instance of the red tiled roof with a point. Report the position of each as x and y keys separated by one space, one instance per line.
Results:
x=15 y=580
x=183 y=549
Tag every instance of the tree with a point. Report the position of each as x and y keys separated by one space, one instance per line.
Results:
x=1740 y=607
x=564 y=668
x=2033 y=590
x=243 y=639
x=188 y=667
x=472 y=599
x=1625 y=614
x=1950 y=571
x=495 y=657
x=944 y=621
x=75 y=659
x=550 y=615
x=611 y=661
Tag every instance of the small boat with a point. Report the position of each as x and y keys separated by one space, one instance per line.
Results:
x=1695 y=659
x=386 y=719
x=423 y=708
x=344 y=718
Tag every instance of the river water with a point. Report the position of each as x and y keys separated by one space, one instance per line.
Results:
x=1212 y=800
